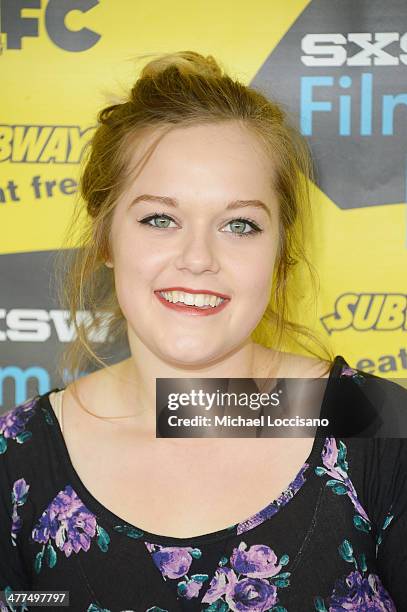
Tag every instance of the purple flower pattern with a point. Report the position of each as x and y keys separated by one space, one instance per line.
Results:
x=357 y=377
x=174 y=562
x=13 y=423
x=246 y=585
x=274 y=506
x=358 y=590
x=336 y=466
x=70 y=525
x=18 y=498
x=250 y=583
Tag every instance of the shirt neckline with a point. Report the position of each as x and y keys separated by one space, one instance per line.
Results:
x=97 y=508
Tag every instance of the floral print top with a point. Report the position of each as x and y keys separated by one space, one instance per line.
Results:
x=334 y=540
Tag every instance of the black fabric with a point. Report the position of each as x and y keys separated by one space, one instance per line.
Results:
x=335 y=539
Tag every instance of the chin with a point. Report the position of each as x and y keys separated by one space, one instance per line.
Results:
x=191 y=358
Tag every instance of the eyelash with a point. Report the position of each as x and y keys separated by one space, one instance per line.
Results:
x=255 y=228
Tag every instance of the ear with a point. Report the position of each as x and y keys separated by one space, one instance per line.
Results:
x=108 y=264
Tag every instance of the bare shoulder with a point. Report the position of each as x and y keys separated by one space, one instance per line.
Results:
x=292 y=364
x=94 y=390
x=89 y=383
x=304 y=366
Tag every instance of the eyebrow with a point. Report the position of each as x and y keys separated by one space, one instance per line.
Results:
x=167 y=201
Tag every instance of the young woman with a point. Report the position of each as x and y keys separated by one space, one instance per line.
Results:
x=195 y=189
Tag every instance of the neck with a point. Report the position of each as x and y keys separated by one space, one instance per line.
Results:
x=136 y=380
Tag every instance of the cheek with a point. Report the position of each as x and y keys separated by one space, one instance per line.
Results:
x=135 y=256
x=136 y=269
x=258 y=286
x=253 y=273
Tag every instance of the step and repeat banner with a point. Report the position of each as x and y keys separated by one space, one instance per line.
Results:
x=338 y=66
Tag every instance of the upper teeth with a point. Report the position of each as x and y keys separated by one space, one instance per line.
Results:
x=192 y=299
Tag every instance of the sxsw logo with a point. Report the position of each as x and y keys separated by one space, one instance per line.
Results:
x=340 y=71
x=332 y=49
x=18 y=26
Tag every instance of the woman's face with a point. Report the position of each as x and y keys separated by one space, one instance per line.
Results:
x=197 y=242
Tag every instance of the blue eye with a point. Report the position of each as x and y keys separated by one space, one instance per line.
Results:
x=240 y=221
x=154 y=217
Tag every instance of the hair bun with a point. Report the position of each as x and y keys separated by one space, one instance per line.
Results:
x=186 y=62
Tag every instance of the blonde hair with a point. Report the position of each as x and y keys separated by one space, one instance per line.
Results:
x=174 y=90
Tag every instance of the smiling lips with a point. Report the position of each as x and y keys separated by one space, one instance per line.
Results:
x=192 y=301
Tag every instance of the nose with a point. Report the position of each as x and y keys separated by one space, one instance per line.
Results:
x=197 y=253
